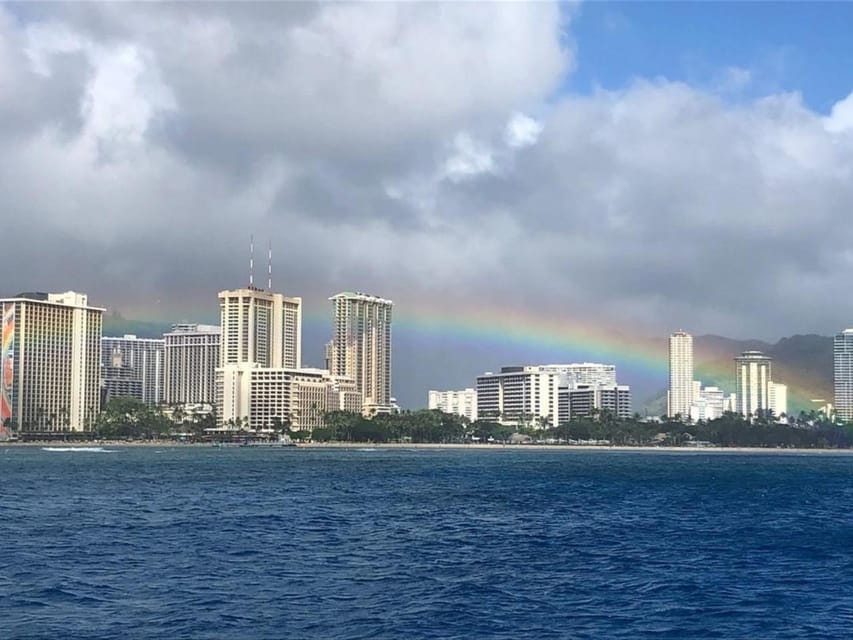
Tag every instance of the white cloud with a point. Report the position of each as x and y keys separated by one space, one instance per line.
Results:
x=522 y=131
x=840 y=118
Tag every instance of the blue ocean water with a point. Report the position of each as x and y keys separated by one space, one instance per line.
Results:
x=361 y=543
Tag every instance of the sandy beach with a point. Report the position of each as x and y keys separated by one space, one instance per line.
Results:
x=473 y=446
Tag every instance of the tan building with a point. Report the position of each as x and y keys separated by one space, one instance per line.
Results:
x=260 y=327
x=681 y=391
x=361 y=347
x=265 y=397
x=190 y=359
x=51 y=357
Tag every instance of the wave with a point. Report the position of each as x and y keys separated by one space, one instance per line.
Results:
x=83 y=449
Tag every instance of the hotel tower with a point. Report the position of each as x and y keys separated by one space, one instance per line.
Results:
x=843 y=374
x=361 y=347
x=680 y=394
x=51 y=357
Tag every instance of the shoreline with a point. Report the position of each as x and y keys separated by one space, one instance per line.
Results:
x=439 y=446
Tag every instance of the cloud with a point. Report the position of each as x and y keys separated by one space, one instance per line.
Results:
x=423 y=152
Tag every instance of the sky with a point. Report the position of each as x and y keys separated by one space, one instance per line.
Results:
x=526 y=181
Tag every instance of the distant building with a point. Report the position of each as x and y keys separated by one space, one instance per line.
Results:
x=584 y=400
x=51 y=360
x=272 y=397
x=679 y=397
x=778 y=398
x=709 y=404
x=843 y=375
x=190 y=359
x=752 y=382
x=529 y=394
x=133 y=367
x=461 y=403
x=360 y=348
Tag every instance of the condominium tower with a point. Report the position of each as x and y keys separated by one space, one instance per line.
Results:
x=361 y=346
x=752 y=382
x=260 y=327
x=681 y=388
x=51 y=357
x=133 y=367
x=191 y=356
x=843 y=374
x=462 y=402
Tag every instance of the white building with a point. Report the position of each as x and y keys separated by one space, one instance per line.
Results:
x=583 y=400
x=51 y=358
x=271 y=397
x=529 y=394
x=842 y=354
x=778 y=398
x=752 y=382
x=680 y=394
x=190 y=360
x=260 y=327
x=710 y=403
x=461 y=403
x=360 y=348
x=133 y=367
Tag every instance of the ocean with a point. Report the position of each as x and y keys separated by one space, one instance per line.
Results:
x=192 y=542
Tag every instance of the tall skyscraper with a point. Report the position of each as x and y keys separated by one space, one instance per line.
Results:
x=752 y=381
x=51 y=357
x=843 y=374
x=260 y=327
x=361 y=346
x=191 y=356
x=680 y=394
x=133 y=366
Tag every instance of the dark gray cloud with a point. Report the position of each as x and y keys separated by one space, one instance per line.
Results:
x=416 y=150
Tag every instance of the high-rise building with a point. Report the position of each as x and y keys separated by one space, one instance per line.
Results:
x=577 y=400
x=752 y=382
x=190 y=359
x=260 y=327
x=461 y=403
x=361 y=347
x=529 y=394
x=681 y=388
x=843 y=374
x=51 y=357
x=129 y=360
x=778 y=398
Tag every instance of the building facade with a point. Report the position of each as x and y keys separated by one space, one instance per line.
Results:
x=260 y=327
x=461 y=403
x=752 y=382
x=679 y=397
x=584 y=400
x=778 y=398
x=190 y=360
x=275 y=397
x=527 y=395
x=842 y=354
x=51 y=358
x=360 y=348
x=710 y=403
x=129 y=359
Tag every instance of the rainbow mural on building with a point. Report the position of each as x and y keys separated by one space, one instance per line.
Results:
x=7 y=361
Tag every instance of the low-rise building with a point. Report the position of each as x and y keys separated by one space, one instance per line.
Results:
x=462 y=402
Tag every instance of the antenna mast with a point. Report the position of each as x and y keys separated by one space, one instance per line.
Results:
x=251 y=261
x=269 y=267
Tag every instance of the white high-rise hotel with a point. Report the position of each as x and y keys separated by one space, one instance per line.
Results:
x=681 y=387
x=843 y=374
x=51 y=357
x=190 y=360
x=361 y=346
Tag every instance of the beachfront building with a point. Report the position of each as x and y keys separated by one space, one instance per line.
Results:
x=51 y=358
x=680 y=395
x=462 y=402
x=260 y=327
x=258 y=397
x=190 y=360
x=528 y=395
x=709 y=404
x=586 y=400
x=133 y=367
x=360 y=348
x=842 y=354
x=752 y=382
x=778 y=398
